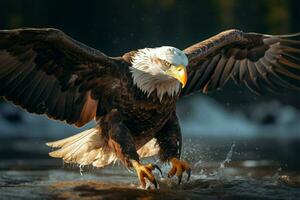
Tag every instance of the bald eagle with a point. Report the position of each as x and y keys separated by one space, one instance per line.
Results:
x=133 y=97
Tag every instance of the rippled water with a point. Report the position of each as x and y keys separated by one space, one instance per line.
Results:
x=222 y=170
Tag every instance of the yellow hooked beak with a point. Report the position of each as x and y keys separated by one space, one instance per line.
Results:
x=178 y=72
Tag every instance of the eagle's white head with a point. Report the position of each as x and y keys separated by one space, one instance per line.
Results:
x=160 y=70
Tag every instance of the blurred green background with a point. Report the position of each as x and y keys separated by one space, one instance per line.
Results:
x=116 y=27
x=119 y=26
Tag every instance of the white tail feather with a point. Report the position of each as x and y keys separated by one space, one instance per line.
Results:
x=90 y=148
x=151 y=148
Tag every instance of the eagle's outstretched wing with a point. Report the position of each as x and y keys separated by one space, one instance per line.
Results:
x=261 y=62
x=47 y=72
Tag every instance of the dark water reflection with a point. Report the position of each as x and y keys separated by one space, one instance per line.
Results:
x=222 y=169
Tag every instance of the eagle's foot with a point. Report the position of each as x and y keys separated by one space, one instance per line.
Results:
x=178 y=167
x=145 y=171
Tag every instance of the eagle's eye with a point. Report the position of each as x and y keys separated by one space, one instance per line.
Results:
x=167 y=64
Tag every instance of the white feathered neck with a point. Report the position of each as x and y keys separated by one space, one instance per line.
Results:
x=149 y=75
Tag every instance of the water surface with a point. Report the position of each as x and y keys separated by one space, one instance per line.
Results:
x=222 y=169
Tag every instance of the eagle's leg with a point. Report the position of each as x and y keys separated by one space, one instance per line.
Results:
x=121 y=141
x=170 y=142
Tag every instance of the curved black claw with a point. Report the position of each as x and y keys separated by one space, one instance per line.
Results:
x=158 y=168
x=155 y=184
x=179 y=179
x=189 y=172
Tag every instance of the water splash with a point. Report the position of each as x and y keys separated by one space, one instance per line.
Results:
x=219 y=173
x=228 y=157
x=198 y=163
x=81 y=169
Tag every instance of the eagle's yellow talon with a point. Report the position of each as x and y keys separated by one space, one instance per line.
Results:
x=178 y=167
x=145 y=172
